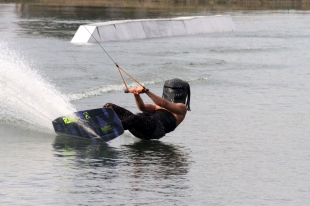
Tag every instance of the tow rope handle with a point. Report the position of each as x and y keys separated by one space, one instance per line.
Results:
x=127 y=90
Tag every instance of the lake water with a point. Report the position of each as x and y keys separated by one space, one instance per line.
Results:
x=245 y=142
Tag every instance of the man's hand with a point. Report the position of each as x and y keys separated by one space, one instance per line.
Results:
x=137 y=90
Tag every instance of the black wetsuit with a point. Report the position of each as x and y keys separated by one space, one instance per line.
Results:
x=145 y=125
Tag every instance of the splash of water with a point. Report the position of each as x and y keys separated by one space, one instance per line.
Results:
x=26 y=98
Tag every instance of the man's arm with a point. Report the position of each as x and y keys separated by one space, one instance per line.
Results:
x=177 y=108
x=150 y=108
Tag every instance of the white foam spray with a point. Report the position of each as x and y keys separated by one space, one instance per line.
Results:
x=26 y=98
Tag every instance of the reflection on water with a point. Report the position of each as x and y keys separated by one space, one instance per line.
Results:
x=158 y=158
x=175 y=4
x=83 y=151
x=133 y=170
x=144 y=158
x=61 y=22
x=56 y=19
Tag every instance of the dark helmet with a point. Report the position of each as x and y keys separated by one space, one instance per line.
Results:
x=177 y=91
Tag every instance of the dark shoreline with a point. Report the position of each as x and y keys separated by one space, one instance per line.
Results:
x=202 y=4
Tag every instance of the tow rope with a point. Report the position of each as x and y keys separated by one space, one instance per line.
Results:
x=118 y=67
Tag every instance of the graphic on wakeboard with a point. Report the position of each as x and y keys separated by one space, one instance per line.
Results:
x=96 y=124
